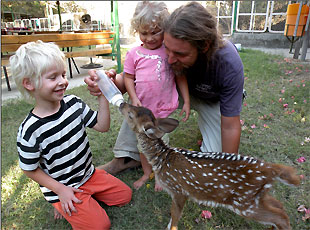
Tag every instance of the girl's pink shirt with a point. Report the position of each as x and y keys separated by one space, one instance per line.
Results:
x=154 y=80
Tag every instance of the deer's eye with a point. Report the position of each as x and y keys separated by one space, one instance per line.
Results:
x=130 y=115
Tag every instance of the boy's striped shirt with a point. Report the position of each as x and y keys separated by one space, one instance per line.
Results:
x=58 y=144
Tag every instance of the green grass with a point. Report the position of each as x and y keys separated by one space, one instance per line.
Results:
x=278 y=136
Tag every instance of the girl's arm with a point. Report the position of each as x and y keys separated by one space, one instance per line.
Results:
x=103 y=118
x=129 y=81
x=183 y=88
x=65 y=193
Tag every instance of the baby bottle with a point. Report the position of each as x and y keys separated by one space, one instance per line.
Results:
x=108 y=88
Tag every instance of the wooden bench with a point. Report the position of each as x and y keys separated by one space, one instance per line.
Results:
x=66 y=41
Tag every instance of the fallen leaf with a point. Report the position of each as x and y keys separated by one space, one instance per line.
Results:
x=301 y=208
x=307 y=215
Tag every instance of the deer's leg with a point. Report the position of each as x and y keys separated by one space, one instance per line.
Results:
x=178 y=202
x=270 y=211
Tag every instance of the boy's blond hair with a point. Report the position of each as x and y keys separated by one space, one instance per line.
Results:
x=33 y=59
x=149 y=14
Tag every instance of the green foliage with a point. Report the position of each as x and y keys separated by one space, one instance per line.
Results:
x=278 y=136
x=33 y=8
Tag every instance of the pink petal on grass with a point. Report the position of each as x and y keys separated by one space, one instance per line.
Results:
x=307 y=215
x=206 y=214
x=301 y=159
x=302 y=177
x=253 y=126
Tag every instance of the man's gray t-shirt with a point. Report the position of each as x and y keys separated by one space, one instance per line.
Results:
x=221 y=80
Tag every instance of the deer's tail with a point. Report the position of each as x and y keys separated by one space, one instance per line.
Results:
x=286 y=174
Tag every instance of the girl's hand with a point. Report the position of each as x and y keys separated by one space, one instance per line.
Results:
x=67 y=198
x=111 y=74
x=136 y=102
x=187 y=110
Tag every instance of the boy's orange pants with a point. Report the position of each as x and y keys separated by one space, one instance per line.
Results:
x=104 y=187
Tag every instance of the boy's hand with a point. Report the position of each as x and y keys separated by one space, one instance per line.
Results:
x=187 y=110
x=92 y=79
x=67 y=198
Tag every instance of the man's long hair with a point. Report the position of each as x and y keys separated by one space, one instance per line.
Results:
x=195 y=24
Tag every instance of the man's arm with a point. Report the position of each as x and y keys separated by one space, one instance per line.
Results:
x=231 y=131
x=181 y=82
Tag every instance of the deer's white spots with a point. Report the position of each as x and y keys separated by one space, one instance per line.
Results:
x=267 y=185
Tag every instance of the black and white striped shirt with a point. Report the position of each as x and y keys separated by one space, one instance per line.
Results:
x=58 y=144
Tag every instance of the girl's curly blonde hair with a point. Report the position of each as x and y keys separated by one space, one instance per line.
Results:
x=149 y=15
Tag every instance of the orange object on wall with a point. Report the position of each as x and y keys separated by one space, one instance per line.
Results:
x=291 y=16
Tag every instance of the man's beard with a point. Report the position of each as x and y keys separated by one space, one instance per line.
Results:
x=178 y=69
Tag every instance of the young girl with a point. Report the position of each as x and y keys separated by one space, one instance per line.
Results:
x=148 y=78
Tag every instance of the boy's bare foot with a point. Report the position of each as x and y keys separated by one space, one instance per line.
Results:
x=140 y=182
x=57 y=215
x=117 y=165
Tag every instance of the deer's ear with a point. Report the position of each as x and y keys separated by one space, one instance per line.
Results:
x=167 y=125
x=153 y=132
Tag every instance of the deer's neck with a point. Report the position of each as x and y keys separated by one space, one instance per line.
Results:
x=154 y=150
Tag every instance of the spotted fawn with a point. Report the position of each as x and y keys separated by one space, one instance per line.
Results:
x=238 y=183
